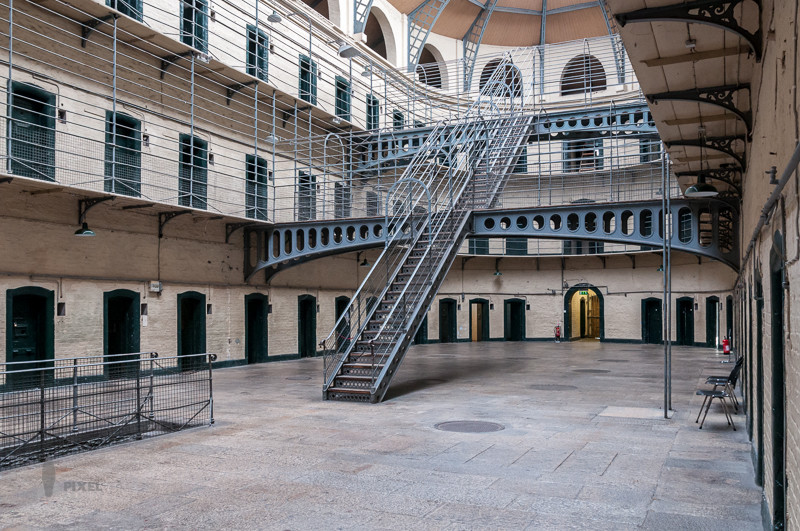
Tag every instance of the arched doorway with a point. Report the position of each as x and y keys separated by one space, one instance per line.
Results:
x=514 y=320
x=583 y=313
x=776 y=279
x=255 y=328
x=191 y=329
x=306 y=325
x=448 y=329
x=652 y=324
x=120 y=331
x=712 y=322
x=684 y=324
x=29 y=334
x=479 y=320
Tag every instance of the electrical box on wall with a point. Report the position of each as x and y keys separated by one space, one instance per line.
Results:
x=155 y=286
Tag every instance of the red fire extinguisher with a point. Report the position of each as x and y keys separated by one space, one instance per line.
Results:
x=557 y=331
x=726 y=346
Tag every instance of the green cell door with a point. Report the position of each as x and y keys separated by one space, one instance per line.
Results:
x=514 y=320
x=651 y=320
x=306 y=325
x=32 y=133
x=776 y=279
x=685 y=321
x=29 y=335
x=421 y=337
x=447 y=321
x=255 y=323
x=191 y=329
x=120 y=332
x=343 y=326
x=712 y=321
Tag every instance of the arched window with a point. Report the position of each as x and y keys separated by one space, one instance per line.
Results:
x=582 y=74
x=509 y=82
x=429 y=70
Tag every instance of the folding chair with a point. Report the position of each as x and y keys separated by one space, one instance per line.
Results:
x=729 y=382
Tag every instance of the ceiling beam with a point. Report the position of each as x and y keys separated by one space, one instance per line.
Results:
x=536 y=12
x=700 y=119
x=696 y=56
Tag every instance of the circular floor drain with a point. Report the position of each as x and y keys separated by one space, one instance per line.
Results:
x=469 y=426
x=553 y=387
x=591 y=371
x=299 y=378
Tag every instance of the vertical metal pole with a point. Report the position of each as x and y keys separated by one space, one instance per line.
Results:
x=151 y=393
x=41 y=416
x=75 y=395
x=114 y=111
x=274 y=148
x=665 y=301
x=9 y=86
x=210 y=389
x=139 y=404
x=669 y=293
x=191 y=134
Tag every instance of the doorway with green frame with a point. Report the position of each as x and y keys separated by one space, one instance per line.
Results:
x=514 y=320
x=478 y=320
x=191 y=329
x=448 y=325
x=256 y=335
x=29 y=335
x=121 y=332
x=306 y=326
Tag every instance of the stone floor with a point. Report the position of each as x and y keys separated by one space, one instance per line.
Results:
x=585 y=446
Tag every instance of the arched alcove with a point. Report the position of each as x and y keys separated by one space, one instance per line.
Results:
x=583 y=73
x=320 y=6
x=429 y=70
x=509 y=81
x=380 y=37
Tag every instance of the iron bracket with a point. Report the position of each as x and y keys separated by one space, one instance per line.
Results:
x=170 y=59
x=166 y=217
x=90 y=25
x=723 y=144
x=230 y=228
x=721 y=96
x=230 y=90
x=719 y=13
x=723 y=175
x=85 y=204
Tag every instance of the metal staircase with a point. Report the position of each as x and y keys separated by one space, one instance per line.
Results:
x=460 y=167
